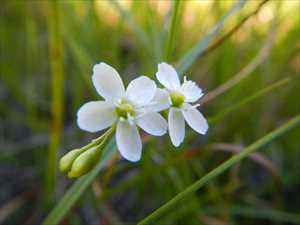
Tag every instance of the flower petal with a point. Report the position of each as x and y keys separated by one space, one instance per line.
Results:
x=96 y=115
x=176 y=126
x=160 y=101
x=128 y=141
x=141 y=90
x=153 y=123
x=195 y=120
x=107 y=82
x=191 y=91
x=167 y=76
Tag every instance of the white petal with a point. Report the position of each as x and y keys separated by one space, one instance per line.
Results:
x=161 y=100
x=128 y=141
x=141 y=90
x=195 y=120
x=191 y=91
x=96 y=115
x=107 y=82
x=176 y=126
x=153 y=123
x=167 y=76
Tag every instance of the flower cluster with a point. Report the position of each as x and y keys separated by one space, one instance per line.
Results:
x=138 y=106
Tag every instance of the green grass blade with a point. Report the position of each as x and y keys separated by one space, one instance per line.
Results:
x=57 y=87
x=187 y=60
x=270 y=214
x=74 y=193
x=222 y=168
x=171 y=33
x=132 y=181
x=78 y=188
x=140 y=33
x=246 y=71
x=249 y=99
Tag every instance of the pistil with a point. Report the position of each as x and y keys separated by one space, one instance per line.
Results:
x=124 y=108
x=177 y=99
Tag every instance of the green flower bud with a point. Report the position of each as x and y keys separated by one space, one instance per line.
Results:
x=85 y=162
x=67 y=160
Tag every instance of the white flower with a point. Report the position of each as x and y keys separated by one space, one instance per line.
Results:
x=129 y=109
x=180 y=99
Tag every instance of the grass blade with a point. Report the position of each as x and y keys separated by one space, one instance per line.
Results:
x=187 y=60
x=246 y=71
x=171 y=33
x=140 y=33
x=270 y=214
x=222 y=168
x=82 y=184
x=251 y=98
x=78 y=188
x=57 y=87
x=220 y=40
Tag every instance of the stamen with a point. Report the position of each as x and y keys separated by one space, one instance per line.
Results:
x=195 y=106
x=125 y=108
x=130 y=119
x=184 y=79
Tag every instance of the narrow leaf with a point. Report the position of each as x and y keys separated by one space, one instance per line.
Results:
x=187 y=60
x=171 y=33
x=139 y=32
x=221 y=168
x=78 y=188
x=249 y=99
x=57 y=97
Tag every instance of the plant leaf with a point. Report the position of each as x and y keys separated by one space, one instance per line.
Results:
x=222 y=168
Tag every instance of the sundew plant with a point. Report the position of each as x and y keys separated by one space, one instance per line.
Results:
x=138 y=106
x=150 y=112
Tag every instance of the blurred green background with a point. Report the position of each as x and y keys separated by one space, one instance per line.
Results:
x=48 y=49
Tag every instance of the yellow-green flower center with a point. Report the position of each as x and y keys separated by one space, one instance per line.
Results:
x=124 y=108
x=177 y=98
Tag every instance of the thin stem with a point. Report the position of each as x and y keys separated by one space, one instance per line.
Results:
x=171 y=35
x=57 y=111
x=219 y=41
x=196 y=51
x=100 y=140
x=261 y=56
x=222 y=168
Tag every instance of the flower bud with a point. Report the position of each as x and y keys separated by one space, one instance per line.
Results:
x=85 y=162
x=67 y=160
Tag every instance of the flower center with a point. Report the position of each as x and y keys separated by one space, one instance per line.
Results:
x=177 y=98
x=124 y=108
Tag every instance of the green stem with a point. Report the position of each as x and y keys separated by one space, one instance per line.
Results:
x=171 y=35
x=57 y=110
x=221 y=168
x=105 y=136
x=100 y=140
x=196 y=51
